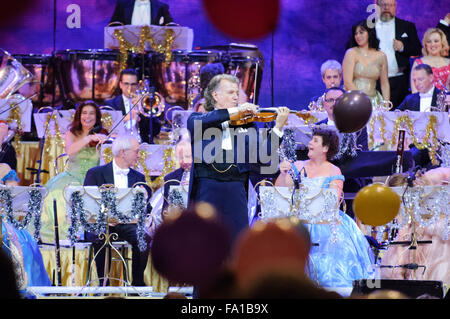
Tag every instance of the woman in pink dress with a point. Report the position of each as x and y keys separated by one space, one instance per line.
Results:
x=435 y=49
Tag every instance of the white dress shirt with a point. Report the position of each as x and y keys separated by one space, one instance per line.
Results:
x=386 y=34
x=425 y=100
x=141 y=13
x=120 y=176
x=128 y=104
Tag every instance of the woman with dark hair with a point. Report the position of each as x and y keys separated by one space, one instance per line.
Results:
x=343 y=253
x=364 y=64
x=80 y=146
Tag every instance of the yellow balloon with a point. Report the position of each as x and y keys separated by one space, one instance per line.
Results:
x=376 y=204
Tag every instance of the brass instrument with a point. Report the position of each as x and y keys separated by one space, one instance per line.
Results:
x=317 y=106
x=146 y=106
x=13 y=75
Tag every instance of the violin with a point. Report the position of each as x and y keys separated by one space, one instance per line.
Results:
x=266 y=115
x=96 y=130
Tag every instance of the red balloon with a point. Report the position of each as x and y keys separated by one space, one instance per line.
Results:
x=243 y=19
x=352 y=111
x=13 y=12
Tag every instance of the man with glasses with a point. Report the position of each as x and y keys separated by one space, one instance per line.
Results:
x=399 y=41
x=128 y=84
x=331 y=71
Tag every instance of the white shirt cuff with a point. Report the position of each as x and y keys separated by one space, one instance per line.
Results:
x=278 y=132
x=443 y=22
x=232 y=110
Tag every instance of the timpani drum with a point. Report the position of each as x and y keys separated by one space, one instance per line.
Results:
x=89 y=74
x=178 y=80
x=247 y=67
x=43 y=78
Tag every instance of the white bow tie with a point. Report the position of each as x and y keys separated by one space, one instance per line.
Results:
x=425 y=95
x=142 y=3
x=121 y=171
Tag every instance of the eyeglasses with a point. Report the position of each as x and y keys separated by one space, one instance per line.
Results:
x=331 y=100
x=128 y=84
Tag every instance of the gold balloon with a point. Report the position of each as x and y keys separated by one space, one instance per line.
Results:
x=376 y=204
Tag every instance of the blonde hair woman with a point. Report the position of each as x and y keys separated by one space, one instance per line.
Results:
x=435 y=49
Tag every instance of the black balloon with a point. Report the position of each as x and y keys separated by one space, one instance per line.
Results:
x=352 y=111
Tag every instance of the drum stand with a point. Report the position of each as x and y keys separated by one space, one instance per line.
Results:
x=413 y=244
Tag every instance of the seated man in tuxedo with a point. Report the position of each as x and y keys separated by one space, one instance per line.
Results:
x=128 y=83
x=426 y=97
x=125 y=149
x=141 y=12
x=331 y=71
x=179 y=176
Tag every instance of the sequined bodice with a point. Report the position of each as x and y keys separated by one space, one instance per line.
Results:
x=321 y=182
x=80 y=163
x=365 y=76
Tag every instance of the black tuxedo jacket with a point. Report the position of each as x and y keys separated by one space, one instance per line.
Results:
x=144 y=122
x=8 y=155
x=99 y=175
x=406 y=32
x=123 y=12
x=412 y=101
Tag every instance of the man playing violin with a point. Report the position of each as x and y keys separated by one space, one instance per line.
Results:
x=222 y=179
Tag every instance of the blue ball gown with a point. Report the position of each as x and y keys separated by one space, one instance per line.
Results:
x=24 y=252
x=343 y=254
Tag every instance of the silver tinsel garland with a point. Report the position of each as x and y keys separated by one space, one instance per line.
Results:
x=108 y=203
x=176 y=199
x=34 y=210
x=288 y=151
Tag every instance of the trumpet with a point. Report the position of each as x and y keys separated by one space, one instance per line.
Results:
x=152 y=103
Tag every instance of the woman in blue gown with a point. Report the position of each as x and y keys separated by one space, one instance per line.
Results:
x=343 y=253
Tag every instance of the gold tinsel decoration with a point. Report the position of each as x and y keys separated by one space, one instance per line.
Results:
x=107 y=121
x=144 y=37
x=49 y=138
x=14 y=115
x=107 y=155
x=430 y=129
x=380 y=118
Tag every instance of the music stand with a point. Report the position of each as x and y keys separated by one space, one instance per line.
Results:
x=91 y=210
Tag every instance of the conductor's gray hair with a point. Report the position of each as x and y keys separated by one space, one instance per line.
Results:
x=214 y=86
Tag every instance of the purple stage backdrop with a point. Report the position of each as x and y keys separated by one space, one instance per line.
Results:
x=308 y=33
